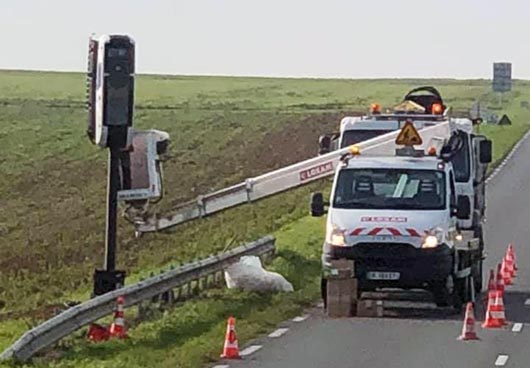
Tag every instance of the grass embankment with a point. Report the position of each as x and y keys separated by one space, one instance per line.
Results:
x=214 y=122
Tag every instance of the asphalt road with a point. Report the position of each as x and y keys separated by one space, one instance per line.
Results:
x=428 y=339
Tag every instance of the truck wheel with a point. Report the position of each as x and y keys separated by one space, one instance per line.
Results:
x=469 y=290
x=448 y=293
x=440 y=294
x=462 y=292
x=476 y=269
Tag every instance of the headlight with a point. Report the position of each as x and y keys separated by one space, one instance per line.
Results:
x=433 y=238
x=335 y=237
x=430 y=242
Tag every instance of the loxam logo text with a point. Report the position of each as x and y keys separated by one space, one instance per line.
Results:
x=316 y=171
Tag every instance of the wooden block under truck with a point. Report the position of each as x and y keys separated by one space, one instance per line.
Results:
x=402 y=218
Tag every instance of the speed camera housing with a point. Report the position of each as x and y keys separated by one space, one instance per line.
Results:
x=110 y=83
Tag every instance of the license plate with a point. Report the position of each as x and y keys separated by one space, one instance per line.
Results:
x=373 y=275
x=382 y=237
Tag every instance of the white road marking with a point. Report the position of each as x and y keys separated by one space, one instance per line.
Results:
x=251 y=349
x=221 y=366
x=300 y=318
x=517 y=327
x=501 y=360
x=527 y=302
x=278 y=332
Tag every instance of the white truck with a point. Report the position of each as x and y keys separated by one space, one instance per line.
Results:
x=411 y=220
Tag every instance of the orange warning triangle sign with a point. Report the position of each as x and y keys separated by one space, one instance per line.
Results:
x=408 y=136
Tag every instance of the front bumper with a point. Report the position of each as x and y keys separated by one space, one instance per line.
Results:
x=417 y=267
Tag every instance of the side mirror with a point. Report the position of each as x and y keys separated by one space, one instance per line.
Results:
x=463 y=207
x=485 y=148
x=324 y=144
x=318 y=204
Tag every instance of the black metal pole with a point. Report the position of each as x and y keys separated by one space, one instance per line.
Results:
x=113 y=185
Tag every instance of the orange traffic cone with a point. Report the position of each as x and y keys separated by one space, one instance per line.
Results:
x=468 y=330
x=97 y=333
x=117 y=328
x=231 y=349
x=499 y=309
x=510 y=263
x=505 y=272
x=491 y=320
x=492 y=286
x=500 y=279
x=512 y=252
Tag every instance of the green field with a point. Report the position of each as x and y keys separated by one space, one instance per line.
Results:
x=52 y=195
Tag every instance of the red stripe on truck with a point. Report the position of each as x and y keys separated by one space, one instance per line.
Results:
x=394 y=231
x=357 y=231
x=413 y=232
x=375 y=231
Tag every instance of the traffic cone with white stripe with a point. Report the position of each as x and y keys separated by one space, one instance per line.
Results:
x=231 y=348
x=512 y=252
x=499 y=309
x=117 y=328
x=506 y=272
x=500 y=279
x=492 y=320
x=492 y=286
x=468 y=330
x=510 y=265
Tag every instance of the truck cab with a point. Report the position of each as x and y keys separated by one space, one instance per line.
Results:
x=398 y=217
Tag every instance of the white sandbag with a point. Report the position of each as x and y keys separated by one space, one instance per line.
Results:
x=248 y=274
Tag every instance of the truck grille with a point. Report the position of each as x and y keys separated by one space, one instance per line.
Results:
x=384 y=250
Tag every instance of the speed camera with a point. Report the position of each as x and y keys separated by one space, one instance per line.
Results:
x=110 y=84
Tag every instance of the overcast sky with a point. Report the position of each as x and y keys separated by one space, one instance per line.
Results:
x=328 y=38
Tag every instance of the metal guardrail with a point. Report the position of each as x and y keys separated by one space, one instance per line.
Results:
x=92 y=310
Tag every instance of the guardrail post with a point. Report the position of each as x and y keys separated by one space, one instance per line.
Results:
x=249 y=183
x=178 y=295
x=201 y=206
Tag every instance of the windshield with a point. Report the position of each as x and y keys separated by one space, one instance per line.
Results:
x=350 y=137
x=390 y=189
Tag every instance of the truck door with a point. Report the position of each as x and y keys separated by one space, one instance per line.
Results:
x=463 y=165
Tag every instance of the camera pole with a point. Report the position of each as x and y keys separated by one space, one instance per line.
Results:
x=113 y=185
x=110 y=82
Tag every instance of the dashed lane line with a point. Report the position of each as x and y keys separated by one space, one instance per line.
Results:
x=501 y=360
x=300 y=318
x=251 y=349
x=279 y=332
